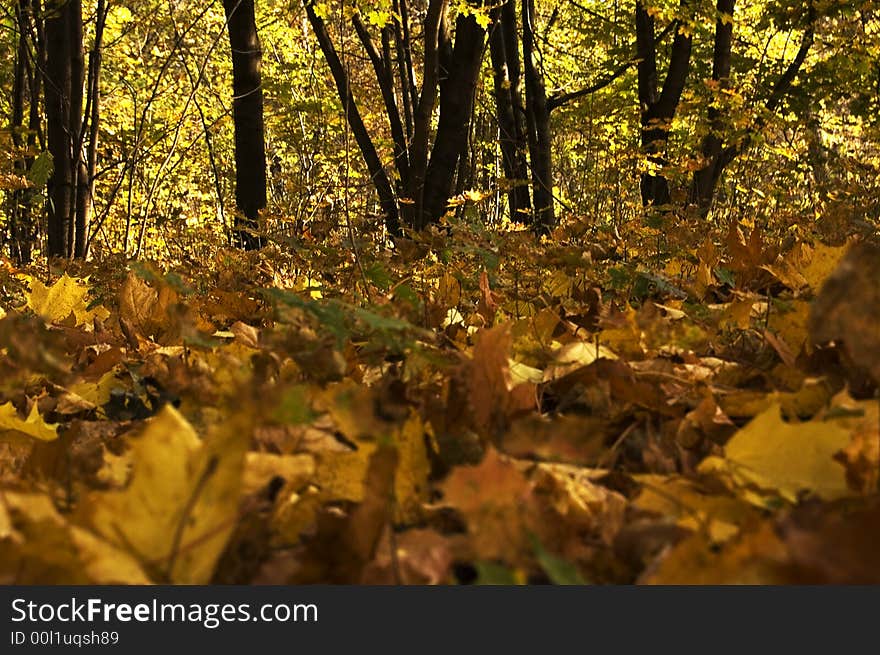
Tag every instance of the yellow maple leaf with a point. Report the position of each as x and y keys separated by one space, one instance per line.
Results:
x=787 y=458
x=823 y=262
x=57 y=302
x=33 y=425
x=180 y=508
x=39 y=545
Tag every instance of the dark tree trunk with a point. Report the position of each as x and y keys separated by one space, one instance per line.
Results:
x=19 y=214
x=706 y=179
x=458 y=85
x=435 y=31
x=247 y=110
x=716 y=153
x=538 y=124
x=450 y=73
x=504 y=48
x=75 y=126
x=88 y=164
x=64 y=119
x=387 y=200
x=385 y=77
x=658 y=107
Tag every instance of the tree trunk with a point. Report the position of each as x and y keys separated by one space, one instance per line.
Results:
x=717 y=154
x=85 y=188
x=435 y=28
x=538 y=124
x=387 y=200
x=658 y=108
x=19 y=215
x=706 y=179
x=64 y=118
x=457 y=88
x=247 y=112
x=504 y=49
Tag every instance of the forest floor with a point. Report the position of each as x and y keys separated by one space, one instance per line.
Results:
x=467 y=407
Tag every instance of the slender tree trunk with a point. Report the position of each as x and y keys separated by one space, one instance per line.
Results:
x=19 y=215
x=247 y=113
x=506 y=68
x=538 y=124
x=706 y=179
x=75 y=126
x=403 y=57
x=658 y=108
x=457 y=88
x=385 y=77
x=89 y=163
x=387 y=200
x=60 y=70
x=718 y=154
x=435 y=27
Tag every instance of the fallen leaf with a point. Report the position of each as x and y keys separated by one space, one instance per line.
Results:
x=182 y=502
x=57 y=302
x=33 y=425
x=772 y=455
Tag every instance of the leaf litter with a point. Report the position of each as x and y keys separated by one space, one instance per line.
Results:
x=464 y=420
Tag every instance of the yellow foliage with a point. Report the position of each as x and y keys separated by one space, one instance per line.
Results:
x=33 y=426
x=57 y=302
x=771 y=456
x=182 y=502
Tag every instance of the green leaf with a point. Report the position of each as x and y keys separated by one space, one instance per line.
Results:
x=491 y=573
x=41 y=170
x=557 y=569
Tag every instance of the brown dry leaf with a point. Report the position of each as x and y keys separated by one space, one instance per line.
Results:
x=508 y=504
x=147 y=309
x=496 y=500
x=343 y=546
x=448 y=291
x=488 y=304
x=245 y=334
x=745 y=255
x=492 y=396
x=576 y=509
x=848 y=307
x=225 y=306
x=834 y=544
x=422 y=557
x=568 y=439
x=706 y=420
